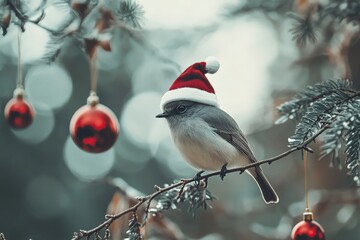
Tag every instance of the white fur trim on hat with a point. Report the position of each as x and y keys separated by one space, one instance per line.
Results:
x=212 y=64
x=190 y=94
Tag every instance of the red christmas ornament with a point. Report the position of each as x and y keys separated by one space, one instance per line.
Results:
x=19 y=113
x=94 y=127
x=308 y=229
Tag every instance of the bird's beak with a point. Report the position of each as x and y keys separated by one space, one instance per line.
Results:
x=162 y=115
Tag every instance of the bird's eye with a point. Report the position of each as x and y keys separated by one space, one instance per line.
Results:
x=181 y=109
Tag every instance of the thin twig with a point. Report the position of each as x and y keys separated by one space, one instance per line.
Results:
x=108 y=222
x=183 y=182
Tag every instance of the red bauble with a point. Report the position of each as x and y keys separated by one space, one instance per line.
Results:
x=307 y=230
x=19 y=113
x=94 y=128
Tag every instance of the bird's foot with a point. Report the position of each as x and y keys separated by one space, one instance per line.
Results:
x=223 y=171
x=205 y=183
x=197 y=177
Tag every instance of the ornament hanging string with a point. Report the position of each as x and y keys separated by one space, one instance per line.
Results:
x=306 y=180
x=308 y=228
x=19 y=113
x=19 y=83
x=93 y=75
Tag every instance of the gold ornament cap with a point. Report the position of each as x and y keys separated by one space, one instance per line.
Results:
x=308 y=215
x=93 y=99
x=19 y=92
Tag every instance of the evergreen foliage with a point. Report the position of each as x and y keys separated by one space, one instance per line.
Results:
x=331 y=104
x=320 y=16
x=195 y=195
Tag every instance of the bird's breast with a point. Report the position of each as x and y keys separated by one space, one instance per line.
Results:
x=202 y=147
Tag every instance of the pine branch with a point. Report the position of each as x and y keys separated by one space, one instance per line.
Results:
x=181 y=185
x=127 y=15
x=296 y=107
x=320 y=15
x=5 y=18
x=321 y=112
x=317 y=115
x=195 y=195
x=331 y=104
x=352 y=137
x=303 y=30
x=261 y=5
x=343 y=10
x=134 y=228
x=22 y=17
x=130 y=13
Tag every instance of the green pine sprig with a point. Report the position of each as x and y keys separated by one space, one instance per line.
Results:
x=333 y=104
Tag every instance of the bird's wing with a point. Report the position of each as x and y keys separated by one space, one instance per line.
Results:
x=226 y=127
x=238 y=141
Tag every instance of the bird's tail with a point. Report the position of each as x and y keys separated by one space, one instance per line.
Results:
x=268 y=193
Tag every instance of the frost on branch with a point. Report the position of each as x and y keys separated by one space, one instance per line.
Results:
x=133 y=232
x=333 y=104
x=147 y=219
x=296 y=108
x=195 y=195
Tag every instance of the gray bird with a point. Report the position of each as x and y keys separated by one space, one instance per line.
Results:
x=209 y=139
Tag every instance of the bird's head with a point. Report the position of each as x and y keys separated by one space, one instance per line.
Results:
x=179 y=110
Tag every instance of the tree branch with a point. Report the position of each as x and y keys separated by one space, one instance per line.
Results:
x=23 y=18
x=183 y=182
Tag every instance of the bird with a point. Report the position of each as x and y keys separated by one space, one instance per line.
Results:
x=207 y=137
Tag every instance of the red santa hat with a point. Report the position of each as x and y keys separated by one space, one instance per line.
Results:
x=193 y=85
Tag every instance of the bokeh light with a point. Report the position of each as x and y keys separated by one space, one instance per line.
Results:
x=57 y=16
x=49 y=84
x=153 y=75
x=2 y=62
x=243 y=75
x=159 y=132
x=31 y=5
x=141 y=108
x=2 y=119
x=196 y=12
x=7 y=44
x=46 y=197
x=257 y=72
x=110 y=60
x=41 y=127
x=132 y=158
x=345 y=213
x=34 y=42
x=87 y=166
x=7 y=85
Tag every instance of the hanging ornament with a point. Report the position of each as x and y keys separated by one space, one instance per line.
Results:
x=94 y=127
x=308 y=229
x=19 y=113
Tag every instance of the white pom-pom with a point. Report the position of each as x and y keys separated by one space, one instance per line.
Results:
x=212 y=64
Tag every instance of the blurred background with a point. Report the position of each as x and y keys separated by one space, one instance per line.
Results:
x=49 y=188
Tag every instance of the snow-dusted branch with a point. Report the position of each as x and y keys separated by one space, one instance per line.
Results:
x=180 y=185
